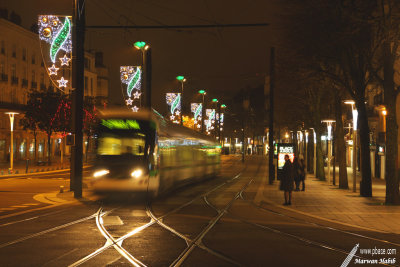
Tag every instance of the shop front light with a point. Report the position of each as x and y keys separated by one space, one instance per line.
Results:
x=136 y=173
x=100 y=173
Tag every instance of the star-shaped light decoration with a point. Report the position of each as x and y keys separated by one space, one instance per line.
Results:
x=172 y=117
x=65 y=60
x=62 y=82
x=129 y=101
x=53 y=70
x=136 y=95
x=135 y=109
x=177 y=112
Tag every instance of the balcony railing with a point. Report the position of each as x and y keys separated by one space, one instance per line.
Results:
x=14 y=80
x=33 y=85
x=24 y=83
x=4 y=77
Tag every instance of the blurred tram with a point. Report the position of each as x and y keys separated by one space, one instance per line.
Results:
x=143 y=152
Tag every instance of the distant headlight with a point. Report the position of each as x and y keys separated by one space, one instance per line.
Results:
x=136 y=173
x=100 y=173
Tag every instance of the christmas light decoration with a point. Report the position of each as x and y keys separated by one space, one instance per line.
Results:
x=174 y=101
x=131 y=81
x=53 y=70
x=56 y=46
x=62 y=82
x=209 y=123
x=197 y=108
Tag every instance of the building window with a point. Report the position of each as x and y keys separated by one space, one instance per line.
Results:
x=2 y=68
x=3 y=47
x=13 y=70
x=33 y=76
x=33 y=58
x=91 y=86
x=14 y=51
x=86 y=85
x=87 y=63
x=24 y=54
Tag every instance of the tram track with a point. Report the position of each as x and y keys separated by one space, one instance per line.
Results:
x=298 y=237
x=117 y=243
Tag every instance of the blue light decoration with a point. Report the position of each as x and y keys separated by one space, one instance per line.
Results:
x=221 y=122
x=131 y=82
x=174 y=102
x=197 y=108
x=209 y=123
x=56 y=47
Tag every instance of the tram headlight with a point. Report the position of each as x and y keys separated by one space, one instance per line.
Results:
x=136 y=173
x=100 y=173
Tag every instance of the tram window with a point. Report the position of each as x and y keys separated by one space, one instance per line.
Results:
x=109 y=145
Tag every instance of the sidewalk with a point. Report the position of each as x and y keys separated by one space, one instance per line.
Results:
x=328 y=202
x=21 y=167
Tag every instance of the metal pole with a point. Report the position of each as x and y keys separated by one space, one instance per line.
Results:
x=148 y=68
x=202 y=115
x=182 y=102
x=77 y=96
x=12 y=142
x=329 y=160
x=271 y=173
x=315 y=153
x=354 y=160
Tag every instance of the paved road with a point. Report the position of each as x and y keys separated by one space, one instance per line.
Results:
x=224 y=221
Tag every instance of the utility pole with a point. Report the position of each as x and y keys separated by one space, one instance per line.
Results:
x=78 y=56
x=148 y=69
x=271 y=118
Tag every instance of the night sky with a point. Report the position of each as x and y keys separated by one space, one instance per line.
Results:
x=220 y=61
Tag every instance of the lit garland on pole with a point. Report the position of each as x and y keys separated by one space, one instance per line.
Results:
x=174 y=101
x=131 y=81
x=209 y=123
x=56 y=47
x=221 y=121
x=196 y=108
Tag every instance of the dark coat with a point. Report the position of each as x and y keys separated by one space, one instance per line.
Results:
x=287 y=179
x=296 y=170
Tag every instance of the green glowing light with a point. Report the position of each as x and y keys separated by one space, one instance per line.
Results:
x=121 y=124
x=180 y=78
x=133 y=83
x=202 y=92
x=223 y=106
x=60 y=40
x=176 y=103
x=215 y=100
x=139 y=45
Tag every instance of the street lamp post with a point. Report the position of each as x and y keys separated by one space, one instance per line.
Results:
x=355 y=115
x=202 y=92
x=181 y=79
x=220 y=123
x=314 y=136
x=217 y=110
x=11 y=116
x=329 y=126
x=146 y=65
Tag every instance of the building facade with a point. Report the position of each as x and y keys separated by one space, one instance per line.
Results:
x=22 y=70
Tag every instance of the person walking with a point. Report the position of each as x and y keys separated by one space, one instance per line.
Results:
x=302 y=174
x=296 y=173
x=287 y=181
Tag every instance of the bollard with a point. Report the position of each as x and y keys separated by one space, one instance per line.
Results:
x=27 y=166
x=61 y=189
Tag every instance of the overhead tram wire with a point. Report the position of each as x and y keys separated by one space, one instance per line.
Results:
x=194 y=26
